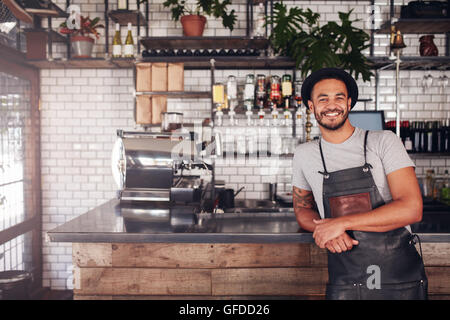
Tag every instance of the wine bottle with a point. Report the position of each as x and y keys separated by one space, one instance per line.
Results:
x=117 y=43
x=122 y=4
x=129 y=44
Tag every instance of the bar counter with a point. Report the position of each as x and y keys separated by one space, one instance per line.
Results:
x=116 y=222
x=125 y=251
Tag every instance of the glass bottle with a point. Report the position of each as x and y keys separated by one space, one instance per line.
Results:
x=232 y=97
x=445 y=190
x=117 y=43
x=219 y=100
x=286 y=91
x=122 y=5
x=260 y=28
x=261 y=96
x=429 y=184
x=128 y=50
x=249 y=96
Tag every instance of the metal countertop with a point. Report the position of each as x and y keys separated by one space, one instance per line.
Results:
x=115 y=222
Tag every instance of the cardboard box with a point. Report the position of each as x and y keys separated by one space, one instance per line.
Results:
x=143 y=109
x=175 y=77
x=159 y=105
x=144 y=76
x=159 y=76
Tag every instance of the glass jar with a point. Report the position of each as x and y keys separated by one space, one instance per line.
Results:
x=232 y=88
x=171 y=121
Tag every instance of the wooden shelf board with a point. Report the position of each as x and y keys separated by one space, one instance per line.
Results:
x=248 y=62
x=56 y=36
x=83 y=63
x=53 y=11
x=418 y=26
x=122 y=17
x=412 y=63
x=204 y=43
x=178 y=94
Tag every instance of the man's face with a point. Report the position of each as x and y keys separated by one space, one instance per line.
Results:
x=330 y=103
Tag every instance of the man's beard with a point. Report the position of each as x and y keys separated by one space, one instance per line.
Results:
x=334 y=125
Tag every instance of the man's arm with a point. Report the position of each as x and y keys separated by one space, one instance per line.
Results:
x=405 y=208
x=304 y=203
x=306 y=214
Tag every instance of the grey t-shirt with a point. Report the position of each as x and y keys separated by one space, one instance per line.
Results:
x=385 y=152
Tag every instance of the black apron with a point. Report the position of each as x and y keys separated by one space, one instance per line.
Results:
x=384 y=265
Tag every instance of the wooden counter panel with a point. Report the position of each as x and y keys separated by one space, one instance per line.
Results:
x=143 y=297
x=92 y=254
x=438 y=280
x=435 y=254
x=269 y=281
x=141 y=281
x=196 y=255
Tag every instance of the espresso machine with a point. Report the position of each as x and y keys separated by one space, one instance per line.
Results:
x=158 y=167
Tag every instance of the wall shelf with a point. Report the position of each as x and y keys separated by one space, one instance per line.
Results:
x=204 y=43
x=122 y=17
x=417 y=26
x=83 y=63
x=412 y=63
x=177 y=94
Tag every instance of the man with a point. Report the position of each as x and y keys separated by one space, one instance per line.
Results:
x=358 y=193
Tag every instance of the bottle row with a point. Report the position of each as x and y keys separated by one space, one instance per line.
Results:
x=436 y=187
x=424 y=136
x=200 y=53
x=259 y=93
x=125 y=50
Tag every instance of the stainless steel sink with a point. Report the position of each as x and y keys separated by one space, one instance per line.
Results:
x=256 y=205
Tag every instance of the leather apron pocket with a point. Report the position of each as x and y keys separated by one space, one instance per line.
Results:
x=414 y=290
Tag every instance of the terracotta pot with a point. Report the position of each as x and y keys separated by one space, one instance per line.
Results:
x=82 y=46
x=427 y=47
x=193 y=25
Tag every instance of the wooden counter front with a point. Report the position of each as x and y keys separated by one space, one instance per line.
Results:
x=198 y=270
x=219 y=271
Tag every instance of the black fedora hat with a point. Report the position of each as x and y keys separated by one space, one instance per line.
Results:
x=329 y=73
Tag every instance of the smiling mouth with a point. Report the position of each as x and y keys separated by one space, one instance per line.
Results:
x=333 y=114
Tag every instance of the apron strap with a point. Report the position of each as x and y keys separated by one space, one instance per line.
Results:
x=366 y=165
x=325 y=171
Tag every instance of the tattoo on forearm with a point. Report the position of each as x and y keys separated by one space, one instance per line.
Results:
x=303 y=199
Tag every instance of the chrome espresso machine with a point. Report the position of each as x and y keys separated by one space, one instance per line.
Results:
x=155 y=167
x=159 y=179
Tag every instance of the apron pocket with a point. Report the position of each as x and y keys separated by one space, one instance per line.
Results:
x=341 y=292
x=415 y=290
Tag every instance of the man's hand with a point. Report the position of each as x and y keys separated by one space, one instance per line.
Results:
x=327 y=229
x=341 y=244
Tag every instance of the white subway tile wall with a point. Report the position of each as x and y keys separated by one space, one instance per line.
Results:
x=83 y=108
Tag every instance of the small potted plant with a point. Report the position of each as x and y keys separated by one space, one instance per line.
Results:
x=193 y=20
x=81 y=41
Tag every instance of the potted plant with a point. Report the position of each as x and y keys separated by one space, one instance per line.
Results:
x=81 y=42
x=297 y=34
x=193 y=20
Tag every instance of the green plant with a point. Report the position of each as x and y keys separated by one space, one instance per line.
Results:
x=298 y=34
x=215 y=8
x=86 y=27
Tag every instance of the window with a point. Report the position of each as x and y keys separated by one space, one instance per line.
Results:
x=20 y=194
